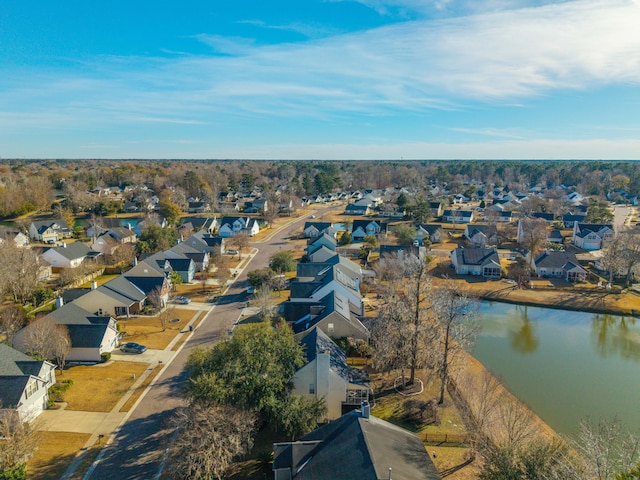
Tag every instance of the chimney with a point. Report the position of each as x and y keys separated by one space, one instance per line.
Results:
x=365 y=409
x=59 y=302
x=64 y=245
x=135 y=261
x=94 y=285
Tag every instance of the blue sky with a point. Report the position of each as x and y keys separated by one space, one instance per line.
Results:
x=320 y=79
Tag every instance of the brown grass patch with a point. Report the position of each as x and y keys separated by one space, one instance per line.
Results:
x=97 y=388
x=148 y=331
x=140 y=388
x=56 y=450
x=87 y=460
x=450 y=457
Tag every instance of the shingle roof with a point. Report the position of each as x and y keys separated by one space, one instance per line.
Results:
x=477 y=256
x=360 y=449
x=316 y=341
x=556 y=259
x=73 y=250
x=87 y=336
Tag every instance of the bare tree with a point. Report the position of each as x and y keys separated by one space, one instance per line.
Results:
x=531 y=235
x=43 y=337
x=12 y=319
x=19 y=269
x=124 y=253
x=208 y=440
x=240 y=242
x=516 y=424
x=482 y=398
x=18 y=442
x=605 y=449
x=612 y=255
x=630 y=257
x=405 y=323
x=456 y=314
x=264 y=301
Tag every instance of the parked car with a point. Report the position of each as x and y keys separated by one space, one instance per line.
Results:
x=132 y=347
x=231 y=252
x=182 y=300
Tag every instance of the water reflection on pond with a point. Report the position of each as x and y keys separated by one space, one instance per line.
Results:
x=565 y=365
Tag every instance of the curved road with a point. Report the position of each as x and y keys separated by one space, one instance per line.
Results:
x=137 y=449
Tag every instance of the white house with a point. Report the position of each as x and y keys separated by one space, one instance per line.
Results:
x=69 y=255
x=327 y=375
x=483 y=262
x=559 y=264
x=230 y=226
x=591 y=236
x=24 y=383
x=362 y=228
x=457 y=216
x=49 y=231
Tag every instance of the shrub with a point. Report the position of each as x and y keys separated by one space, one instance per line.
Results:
x=105 y=357
x=56 y=391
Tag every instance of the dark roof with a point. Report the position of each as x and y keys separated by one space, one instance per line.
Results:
x=360 y=449
x=87 y=336
x=431 y=229
x=180 y=264
x=355 y=207
x=555 y=259
x=11 y=389
x=42 y=225
x=458 y=213
x=72 y=294
x=488 y=230
x=571 y=217
x=147 y=284
x=316 y=341
x=364 y=223
x=476 y=256
x=16 y=369
x=303 y=289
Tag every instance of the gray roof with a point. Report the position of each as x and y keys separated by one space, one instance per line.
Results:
x=556 y=259
x=16 y=369
x=431 y=229
x=360 y=449
x=316 y=341
x=42 y=225
x=488 y=230
x=72 y=250
x=72 y=314
x=476 y=256
x=180 y=264
x=308 y=314
x=123 y=286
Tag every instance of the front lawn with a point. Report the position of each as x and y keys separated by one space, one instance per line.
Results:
x=148 y=330
x=56 y=450
x=97 y=388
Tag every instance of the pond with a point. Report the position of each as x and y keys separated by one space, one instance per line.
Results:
x=565 y=365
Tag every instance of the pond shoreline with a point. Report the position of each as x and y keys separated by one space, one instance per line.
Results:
x=578 y=300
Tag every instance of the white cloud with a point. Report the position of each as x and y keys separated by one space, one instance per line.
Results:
x=493 y=58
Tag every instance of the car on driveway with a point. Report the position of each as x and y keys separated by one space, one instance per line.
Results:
x=132 y=347
x=182 y=300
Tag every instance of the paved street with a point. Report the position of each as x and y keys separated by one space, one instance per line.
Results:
x=137 y=449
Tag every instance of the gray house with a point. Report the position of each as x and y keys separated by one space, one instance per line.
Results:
x=483 y=262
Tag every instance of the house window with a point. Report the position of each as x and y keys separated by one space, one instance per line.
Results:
x=330 y=328
x=31 y=389
x=120 y=311
x=312 y=389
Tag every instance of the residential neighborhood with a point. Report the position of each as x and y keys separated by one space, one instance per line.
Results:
x=157 y=274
